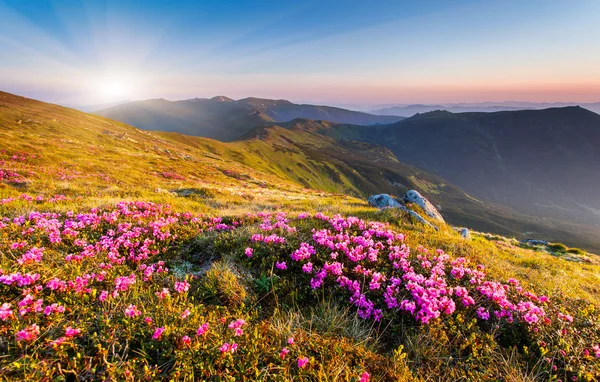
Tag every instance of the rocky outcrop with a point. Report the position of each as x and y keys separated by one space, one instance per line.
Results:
x=383 y=201
x=415 y=197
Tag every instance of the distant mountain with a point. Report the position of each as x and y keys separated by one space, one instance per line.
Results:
x=544 y=163
x=486 y=107
x=225 y=119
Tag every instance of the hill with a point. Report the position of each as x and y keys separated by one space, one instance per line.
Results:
x=135 y=255
x=225 y=119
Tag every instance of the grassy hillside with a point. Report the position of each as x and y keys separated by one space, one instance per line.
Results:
x=238 y=280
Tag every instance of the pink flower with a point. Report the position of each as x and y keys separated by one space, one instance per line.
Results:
x=596 y=349
x=163 y=293
x=186 y=313
x=34 y=255
x=290 y=341
x=228 y=348
x=158 y=333
x=281 y=265
x=5 y=311
x=132 y=311
x=249 y=252
x=57 y=342
x=103 y=296
x=483 y=314
x=302 y=362
x=565 y=317
x=72 y=332
x=182 y=286
x=148 y=320
x=202 y=329
x=283 y=353
x=307 y=268
x=186 y=340
x=54 y=308
x=365 y=377
x=28 y=334
x=237 y=326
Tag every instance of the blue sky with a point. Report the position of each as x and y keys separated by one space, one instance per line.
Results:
x=368 y=52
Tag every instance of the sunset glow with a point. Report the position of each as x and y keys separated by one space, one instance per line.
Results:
x=371 y=52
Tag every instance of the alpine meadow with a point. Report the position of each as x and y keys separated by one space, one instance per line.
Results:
x=299 y=191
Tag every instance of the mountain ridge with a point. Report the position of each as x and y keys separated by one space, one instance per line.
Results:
x=226 y=119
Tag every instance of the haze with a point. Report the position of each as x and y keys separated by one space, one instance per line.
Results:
x=335 y=52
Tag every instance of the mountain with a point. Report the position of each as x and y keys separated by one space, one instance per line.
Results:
x=544 y=163
x=225 y=119
x=485 y=107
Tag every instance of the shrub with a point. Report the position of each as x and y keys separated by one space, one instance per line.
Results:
x=222 y=283
x=576 y=251
x=557 y=247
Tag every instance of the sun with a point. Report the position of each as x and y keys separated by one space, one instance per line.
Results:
x=114 y=89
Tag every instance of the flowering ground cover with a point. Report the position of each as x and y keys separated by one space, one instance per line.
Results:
x=136 y=290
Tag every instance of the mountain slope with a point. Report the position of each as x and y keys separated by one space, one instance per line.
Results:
x=543 y=162
x=287 y=162
x=225 y=119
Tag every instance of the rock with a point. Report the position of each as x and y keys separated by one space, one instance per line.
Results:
x=418 y=217
x=383 y=201
x=465 y=234
x=415 y=197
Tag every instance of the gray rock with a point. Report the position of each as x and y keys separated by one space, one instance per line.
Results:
x=383 y=201
x=418 y=217
x=465 y=234
x=415 y=197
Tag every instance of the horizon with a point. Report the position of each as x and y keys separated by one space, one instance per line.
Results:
x=330 y=53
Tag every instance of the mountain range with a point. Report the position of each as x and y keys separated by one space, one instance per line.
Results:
x=225 y=119
x=542 y=162
x=486 y=107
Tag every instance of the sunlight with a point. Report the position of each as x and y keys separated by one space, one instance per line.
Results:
x=114 y=88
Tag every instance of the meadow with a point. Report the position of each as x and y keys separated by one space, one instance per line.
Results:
x=128 y=255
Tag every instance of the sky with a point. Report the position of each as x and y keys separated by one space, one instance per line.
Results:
x=333 y=52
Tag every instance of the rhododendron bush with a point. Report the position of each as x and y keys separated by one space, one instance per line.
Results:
x=95 y=293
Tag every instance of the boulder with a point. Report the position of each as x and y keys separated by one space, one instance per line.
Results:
x=383 y=201
x=415 y=197
x=419 y=217
x=465 y=234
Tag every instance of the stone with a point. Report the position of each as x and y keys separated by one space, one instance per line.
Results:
x=383 y=201
x=415 y=197
x=465 y=233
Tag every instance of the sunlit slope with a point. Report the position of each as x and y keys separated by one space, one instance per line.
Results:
x=70 y=152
